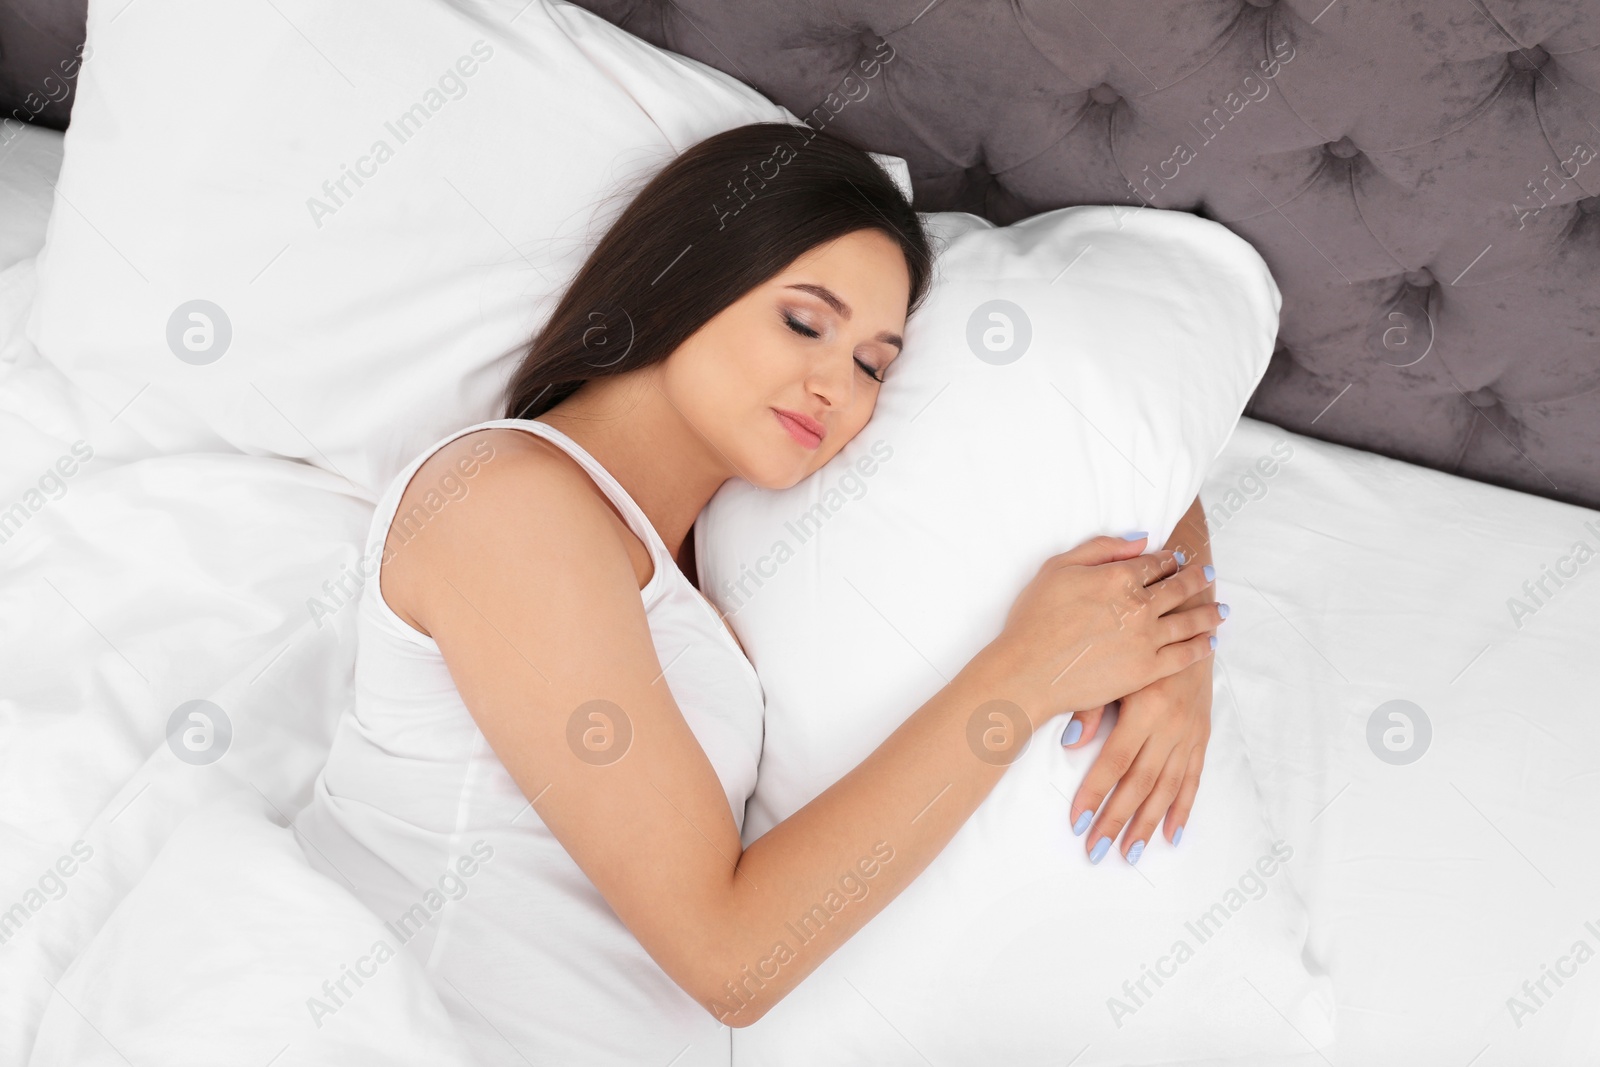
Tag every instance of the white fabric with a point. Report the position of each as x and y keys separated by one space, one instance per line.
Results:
x=1429 y=914
x=1004 y=434
x=30 y=159
x=152 y=579
x=190 y=577
x=1436 y=888
x=322 y=983
x=529 y=954
x=368 y=321
x=898 y=172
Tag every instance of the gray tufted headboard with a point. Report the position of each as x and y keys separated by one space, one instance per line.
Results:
x=1422 y=176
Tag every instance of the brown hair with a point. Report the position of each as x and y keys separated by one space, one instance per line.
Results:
x=722 y=218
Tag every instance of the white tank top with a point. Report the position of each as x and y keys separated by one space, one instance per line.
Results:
x=416 y=814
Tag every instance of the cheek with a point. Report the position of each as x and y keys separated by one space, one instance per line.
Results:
x=725 y=377
x=707 y=390
x=727 y=405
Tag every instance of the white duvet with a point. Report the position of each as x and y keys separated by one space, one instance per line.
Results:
x=158 y=910
x=155 y=909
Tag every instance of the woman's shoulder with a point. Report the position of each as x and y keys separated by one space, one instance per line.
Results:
x=481 y=484
x=499 y=467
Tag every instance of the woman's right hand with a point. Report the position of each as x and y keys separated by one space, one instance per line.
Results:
x=1094 y=625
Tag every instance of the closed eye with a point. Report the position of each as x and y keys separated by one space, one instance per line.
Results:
x=799 y=327
x=805 y=331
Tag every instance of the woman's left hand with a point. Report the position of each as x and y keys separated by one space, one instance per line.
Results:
x=1153 y=756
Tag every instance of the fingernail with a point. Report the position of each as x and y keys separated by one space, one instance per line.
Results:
x=1180 y=556
x=1073 y=732
x=1213 y=640
x=1210 y=572
x=1135 y=852
x=1222 y=609
x=1099 y=852
x=1177 y=835
x=1135 y=535
x=1082 y=824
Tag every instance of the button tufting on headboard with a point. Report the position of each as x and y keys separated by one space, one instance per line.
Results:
x=1343 y=148
x=1528 y=59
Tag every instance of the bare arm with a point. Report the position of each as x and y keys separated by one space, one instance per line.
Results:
x=528 y=589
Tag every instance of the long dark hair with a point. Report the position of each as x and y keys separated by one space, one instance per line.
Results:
x=720 y=219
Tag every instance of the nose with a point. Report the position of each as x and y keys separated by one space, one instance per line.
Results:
x=832 y=379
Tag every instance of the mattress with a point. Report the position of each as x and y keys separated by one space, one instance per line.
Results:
x=1412 y=655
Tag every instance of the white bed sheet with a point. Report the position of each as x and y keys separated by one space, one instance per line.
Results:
x=1436 y=889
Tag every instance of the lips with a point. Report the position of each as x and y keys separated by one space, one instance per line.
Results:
x=804 y=429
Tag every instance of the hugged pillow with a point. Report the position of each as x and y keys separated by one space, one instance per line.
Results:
x=1071 y=375
x=322 y=231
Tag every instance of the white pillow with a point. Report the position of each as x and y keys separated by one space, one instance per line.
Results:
x=361 y=325
x=30 y=159
x=1071 y=375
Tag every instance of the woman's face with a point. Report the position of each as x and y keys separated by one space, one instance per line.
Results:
x=812 y=343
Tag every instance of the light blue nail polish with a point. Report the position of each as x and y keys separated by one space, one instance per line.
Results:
x=1135 y=852
x=1099 y=852
x=1135 y=535
x=1073 y=732
x=1210 y=572
x=1222 y=609
x=1213 y=640
x=1179 y=556
x=1177 y=835
x=1082 y=824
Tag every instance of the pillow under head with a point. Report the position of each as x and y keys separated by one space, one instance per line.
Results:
x=324 y=231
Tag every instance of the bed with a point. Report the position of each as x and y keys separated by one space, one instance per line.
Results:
x=1450 y=878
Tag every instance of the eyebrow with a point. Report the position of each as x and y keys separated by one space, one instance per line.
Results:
x=827 y=296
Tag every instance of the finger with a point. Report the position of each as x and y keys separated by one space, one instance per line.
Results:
x=1153 y=567
x=1109 y=766
x=1141 y=828
x=1178 y=816
x=1143 y=584
x=1184 y=624
x=1170 y=659
x=1083 y=726
x=1132 y=789
x=1169 y=592
x=1107 y=548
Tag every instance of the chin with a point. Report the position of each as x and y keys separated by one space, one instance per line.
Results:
x=794 y=479
x=781 y=464
x=776 y=477
x=782 y=469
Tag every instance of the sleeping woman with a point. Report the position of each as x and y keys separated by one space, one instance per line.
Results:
x=541 y=783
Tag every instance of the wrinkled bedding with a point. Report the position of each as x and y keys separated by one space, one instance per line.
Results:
x=1416 y=689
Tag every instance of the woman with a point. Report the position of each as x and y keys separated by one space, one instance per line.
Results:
x=542 y=781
